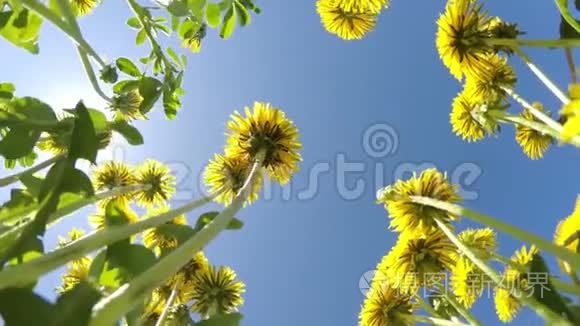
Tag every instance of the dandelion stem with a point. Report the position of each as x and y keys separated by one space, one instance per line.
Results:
x=170 y=300
x=69 y=30
x=40 y=166
x=437 y=321
x=543 y=78
x=426 y=306
x=111 y=308
x=459 y=307
x=557 y=283
x=537 y=113
x=23 y=274
x=549 y=316
x=571 y=65
x=91 y=74
x=516 y=43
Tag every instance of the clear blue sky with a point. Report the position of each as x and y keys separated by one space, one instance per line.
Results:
x=302 y=259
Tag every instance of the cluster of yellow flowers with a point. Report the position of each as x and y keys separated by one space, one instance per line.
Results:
x=350 y=19
x=265 y=137
x=262 y=141
x=424 y=254
x=465 y=44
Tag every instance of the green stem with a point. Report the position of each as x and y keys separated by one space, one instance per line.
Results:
x=65 y=27
x=170 y=300
x=138 y=10
x=537 y=113
x=436 y=321
x=539 y=308
x=543 y=78
x=459 y=307
x=110 y=309
x=506 y=117
x=571 y=65
x=563 y=253
x=426 y=306
x=91 y=74
x=15 y=177
x=516 y=43
x=557 y=283
x=23 y=274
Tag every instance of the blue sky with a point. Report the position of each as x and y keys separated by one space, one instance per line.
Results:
x=302 y=259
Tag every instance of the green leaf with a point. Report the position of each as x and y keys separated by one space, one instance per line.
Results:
x=173 y=56
x=76 y=182
x=141 y=37
x=206 y=218
x=32 y=108
x=544 y=291
x=212 y=14
x=178 y=8
x=196 y=8
x=21 y=28
x=125 y=86
x=127 y=66
x=120 y=263
x=130 y=133
x=19 y=205
x=19 y=306
x=134 y=23
x=150 y=89
x=84 y=142
x=563 y=7
x=32 y=184
x=18 y=142
x=228 y=24
x=232 y=319
x=244 y=17
x=74 y=307
x=6 y=92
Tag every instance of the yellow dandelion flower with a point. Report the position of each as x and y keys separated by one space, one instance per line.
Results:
x=489 y=87
x=346 y=24
x=227 y=174
x=571 y=114
x=500 y=29
x=374 y=6
x=83 y=7
x=161 y=237
x=160 y=181
x=127 y=105
x=76 y=272
x=187 y=273
x=59 y=142
x=193 y=42
x=111 y=175
x=409 y=216
x=417 y=260
x=100 y=220
x=216 y=291
x=461 y=35
x=507 y=304
x=266 y=130
x=73 y=235
x=568 y=235
x=482 y=240
x=468 y=282
x=533 y=143
x=468 y=119
x=385 y=305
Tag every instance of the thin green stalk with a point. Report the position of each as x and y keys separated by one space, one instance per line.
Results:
x=540 y=309
x=571 y=65
x=563 y=253
x=40 y=166
x=556 y=282
x=91 y=74
x=543 y=78
x=112 y=308
x=537 y=113
x=459 y=307
x=516 y=43
x=28 y=272
x=65 y=27
x=170 y=300
x=437 y=321
x=426 y=306
x=138 y=11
